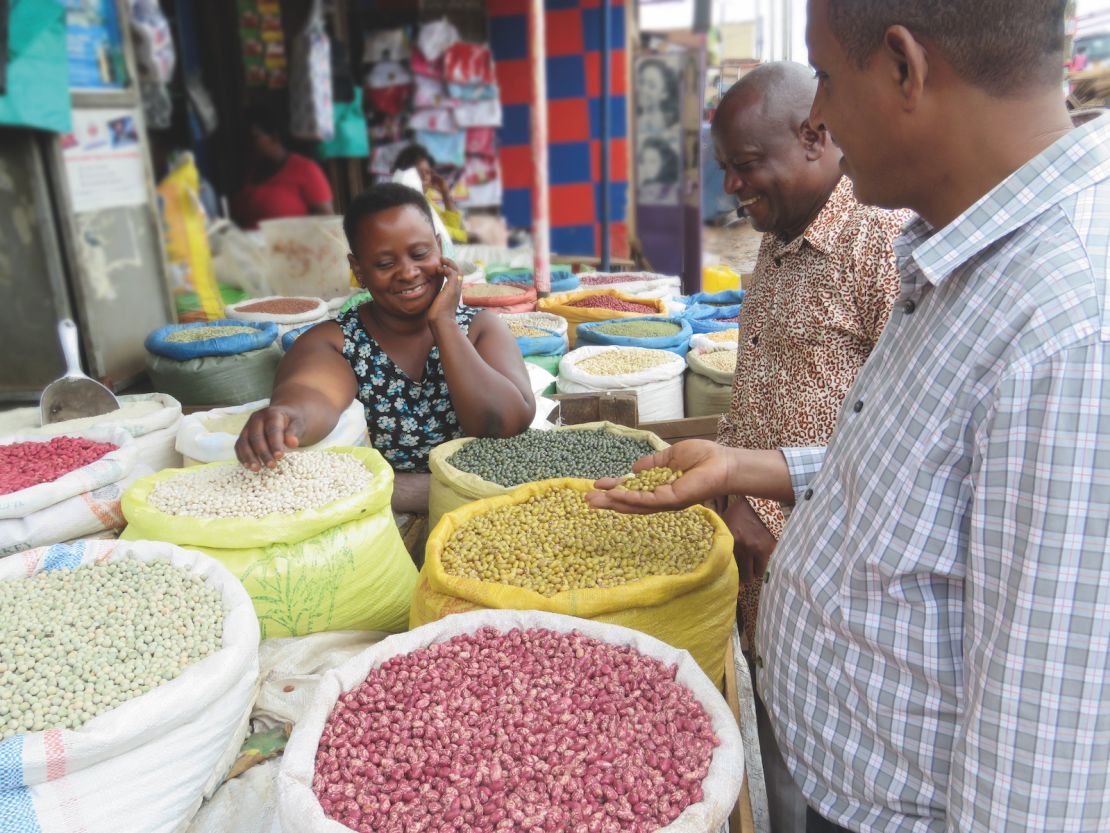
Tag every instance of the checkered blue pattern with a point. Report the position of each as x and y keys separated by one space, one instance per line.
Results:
x=17 y=810
x=64 y=557
x=574 y=120
x=936 y=623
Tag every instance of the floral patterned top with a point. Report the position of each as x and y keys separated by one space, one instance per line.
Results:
x=406 y=419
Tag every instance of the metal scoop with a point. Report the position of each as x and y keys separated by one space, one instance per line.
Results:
x=75 y=395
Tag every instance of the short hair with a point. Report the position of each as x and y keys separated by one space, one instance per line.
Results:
x=269 y=121
x=1000 y=46
x=668 y=172
x=784 y=90
x=412 y=156
x=382 y=197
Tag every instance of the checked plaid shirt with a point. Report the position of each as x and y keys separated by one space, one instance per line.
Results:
x=935 y=631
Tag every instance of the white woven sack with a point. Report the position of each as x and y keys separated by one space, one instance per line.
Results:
x=138 y=415
x=621 y=280
x=658 y=389
x=300 y=812
x=145 y=766
x=539 y=378
x=285 y=323
x=111 y=468
x=197 y=444
x=92 y=513
x=702 y=341
x=543 y=320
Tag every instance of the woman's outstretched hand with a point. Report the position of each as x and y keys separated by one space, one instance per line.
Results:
x=266 y=436
x=705 y=471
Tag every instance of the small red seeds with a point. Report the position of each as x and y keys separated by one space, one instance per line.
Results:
x=27 y=464
x=281 y=306
x=611 y=303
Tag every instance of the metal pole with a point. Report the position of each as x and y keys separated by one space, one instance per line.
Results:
x=541 y=225
x=606 y=209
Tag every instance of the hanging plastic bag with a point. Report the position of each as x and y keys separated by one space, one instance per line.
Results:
x=485 y=113
x=385 y=45
x=238 y=258
x=390 y=87
x=473 y=92
x=154 y=49
x=469 y=63
x=428 y=93
x=186 y=239
x=436 y=37
x=311 y=115
x=445 y=148
x=351 y=140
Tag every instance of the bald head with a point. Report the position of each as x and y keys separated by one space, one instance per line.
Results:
x=781 y=93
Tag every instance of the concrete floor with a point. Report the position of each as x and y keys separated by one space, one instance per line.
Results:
x=736 y=246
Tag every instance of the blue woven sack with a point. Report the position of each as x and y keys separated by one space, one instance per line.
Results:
x=679 y=343
x=291 y=336
x=724 y=304
x=265 y=333
x=709 y=325
x=551 y=344
x=562 y=279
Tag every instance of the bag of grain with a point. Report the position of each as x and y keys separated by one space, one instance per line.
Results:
x=709 y=380
x=287 y=313
x=634 y=283
x=215 y=363
x=539 y=320
x=165 y=749
x=563 y=278
x=500 y=297
x=651 y=333
x=703 y=800
x=313 y=541
x=210 y=436
x=471 y=468
x=655 y=376
x=670 y=575
x=586 y=305
x=540 y=347
x=728 y=337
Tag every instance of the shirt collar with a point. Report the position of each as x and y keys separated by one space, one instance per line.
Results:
x=1074 y=162
x=825 y=229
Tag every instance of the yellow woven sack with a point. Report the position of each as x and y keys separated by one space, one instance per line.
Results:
x=560 y=305
x=340 y=567
x=452 y=488
x=694 y=611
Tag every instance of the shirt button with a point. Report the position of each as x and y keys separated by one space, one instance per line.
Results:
x=858 y=406
x=755 y=341
x=778 y=261
x=909 y=307
x=808 y=494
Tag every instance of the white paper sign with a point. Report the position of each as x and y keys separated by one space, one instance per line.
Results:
x=104 y=162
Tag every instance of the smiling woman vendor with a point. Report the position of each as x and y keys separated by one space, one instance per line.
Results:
x=427 y=369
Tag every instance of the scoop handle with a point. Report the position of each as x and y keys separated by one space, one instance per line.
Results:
x=67 y=335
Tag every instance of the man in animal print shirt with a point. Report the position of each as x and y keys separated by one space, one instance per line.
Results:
x=824 y=284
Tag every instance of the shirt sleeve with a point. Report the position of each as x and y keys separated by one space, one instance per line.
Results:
x=875 y=270
x=314 y=185
x=1033 y=744
x=804 y=463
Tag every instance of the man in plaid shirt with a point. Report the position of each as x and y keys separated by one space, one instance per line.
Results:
x=935 y=631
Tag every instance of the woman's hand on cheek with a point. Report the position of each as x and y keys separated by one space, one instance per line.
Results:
x=450 y=294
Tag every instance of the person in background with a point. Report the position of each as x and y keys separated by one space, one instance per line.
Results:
x=656 y=96
x=426 y=369
x=934 y=636
x=824 y=284
x=435 y=188
x=279 y=183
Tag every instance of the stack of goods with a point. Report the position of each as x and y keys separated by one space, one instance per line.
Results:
x=709 y=381
x=500 y=297
x=111 y=653
x=584 y=306
x=224 y=362
x=562 y=278
x=713 y=311
x=288 y=313
x=475 y=105
x=65 y=487
x=653 y=333
x=210 y=436
x=544 y=722
x=542 y=547
x=718 y=338
x=151 y=418
x=389 y=85
x=643 y=284
x=655 y=376
x=312 y=539
x=475 y=468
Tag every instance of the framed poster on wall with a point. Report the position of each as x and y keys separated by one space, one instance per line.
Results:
x=94 y=45
x=659 y=151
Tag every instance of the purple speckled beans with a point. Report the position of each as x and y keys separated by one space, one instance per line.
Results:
x=518 y=730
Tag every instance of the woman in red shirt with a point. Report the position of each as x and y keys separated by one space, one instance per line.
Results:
x=279 y=183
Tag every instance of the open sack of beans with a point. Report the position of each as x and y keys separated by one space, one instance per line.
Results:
x=642 y=284
x=472 y=468
x=541 y=547
x=537 y=320
x=128 y=676
x=151 y=419
x=313 y=540
x=54 y=489
x=210 y=436
x=538 y=346
x=655 y=376
x=287 y=313
x=214 y=363
x=652 y=333
x=563 y=278
x=728 y=337
x=586 y=305
x=709 y=380
x=530 y=721
x=500 y=297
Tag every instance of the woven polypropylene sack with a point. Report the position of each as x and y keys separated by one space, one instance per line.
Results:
x=549 y=344
x=724 y=304
x=146 y=765
x=524 y=300
x=452 y=488
x=679 y=343
x=563 y=306
x=216 y=381
x=562 y=280
x=289 y=336
x=342 y=566
x=284 y=321
x=705 y=341
x=658 y=389
x=262 y=335
x=708 y=390
x=300 y=811
x=539 y=320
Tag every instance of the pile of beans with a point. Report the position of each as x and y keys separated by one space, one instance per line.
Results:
x=301 y=480
x=650 y=479
x=543 y=320
x=281 y=306
x=520 y=330
x=615 y=304
x=732 y=334
x=639 y=329
x=192 y=334
x=620 y=277
x=624 y=360
x=724 y=360
x=521 y=730
x=492 y=290
x=23 y=465
x=554 y=542
x=542 y=455
x=80 y=642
